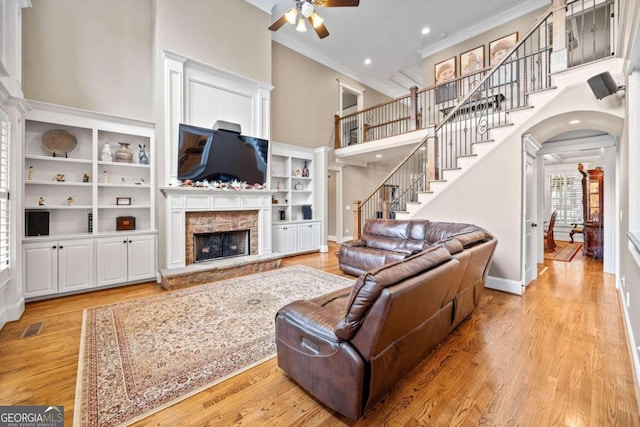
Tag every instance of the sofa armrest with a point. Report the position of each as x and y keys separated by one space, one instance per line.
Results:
x=312 y=318
x=354 y=243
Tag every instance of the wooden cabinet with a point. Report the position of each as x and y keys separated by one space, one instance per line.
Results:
x=125 y=259
x=58 y=267
x=593 y=199
x=293 y=238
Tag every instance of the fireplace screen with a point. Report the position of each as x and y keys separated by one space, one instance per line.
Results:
x=218 y=245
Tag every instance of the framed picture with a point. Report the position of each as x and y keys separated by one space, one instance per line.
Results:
x=507 y=72
x=443 y=72
x=123 y=201
x=499 y=48
x=472 y=61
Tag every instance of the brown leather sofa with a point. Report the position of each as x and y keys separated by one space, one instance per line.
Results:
x=349 y=347
x=385 y=241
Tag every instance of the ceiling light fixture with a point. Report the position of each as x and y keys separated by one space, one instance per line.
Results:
x=302 y=27
x=316 y=20
x=426 y=30
x=306 y=9
x=291 y=15
x=574 y=122
x=367 y=61
x=378 y=155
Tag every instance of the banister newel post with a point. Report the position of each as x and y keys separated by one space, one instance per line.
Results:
x=336 y=119
x=357 y=220
x=559 y=46
x=413 y=113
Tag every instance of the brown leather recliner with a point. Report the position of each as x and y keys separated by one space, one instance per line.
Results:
x=384 y=241
x=349 y=347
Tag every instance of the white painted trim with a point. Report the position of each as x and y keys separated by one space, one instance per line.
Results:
x=632 y=342
x=263 y=5
x=484 y=26
x=504 y=285
x=338 y=238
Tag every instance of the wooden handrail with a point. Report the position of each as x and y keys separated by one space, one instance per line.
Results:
x=382 y=104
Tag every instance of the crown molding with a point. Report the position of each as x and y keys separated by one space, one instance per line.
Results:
x=264 y=5
x=313 y=54
x=484 y=26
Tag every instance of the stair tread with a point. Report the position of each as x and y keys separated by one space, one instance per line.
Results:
x=483 y=142
x=526 y=107
x=462 y=156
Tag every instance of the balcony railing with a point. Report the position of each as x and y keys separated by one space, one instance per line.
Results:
x=464 y=110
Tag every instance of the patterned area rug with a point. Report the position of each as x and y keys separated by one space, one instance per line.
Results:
x=565 y=251
x=141 y=356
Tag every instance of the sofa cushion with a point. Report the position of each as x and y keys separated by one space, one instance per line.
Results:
x=467 y=234
x=383 y=234
x=369 y=285
x=365 y=258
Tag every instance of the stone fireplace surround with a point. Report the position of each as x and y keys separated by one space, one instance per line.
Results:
x=212 y=222
x=215 y=210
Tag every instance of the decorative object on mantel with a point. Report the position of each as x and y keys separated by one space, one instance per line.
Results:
x=126 y=201
x=41 y=201
x=85 y=177
x=297 y=172
x=59 y=177
x=30 y=177
x=59 y=141
x=299 y=186
x=127 y=351
x=69 y=201
x=305 y=170
x=274 y=200
x=106 y=153
x=218 y=185
x=123 y=154
x=143 y=159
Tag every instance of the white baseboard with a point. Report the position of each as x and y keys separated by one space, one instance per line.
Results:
x=635 y=365
x=504 y=285
x=12 y=313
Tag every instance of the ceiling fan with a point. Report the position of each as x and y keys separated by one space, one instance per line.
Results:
x=306 y=10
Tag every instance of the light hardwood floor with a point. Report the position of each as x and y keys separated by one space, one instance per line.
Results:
x=556 y=356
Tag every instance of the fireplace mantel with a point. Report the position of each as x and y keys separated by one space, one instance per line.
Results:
x=181 y=200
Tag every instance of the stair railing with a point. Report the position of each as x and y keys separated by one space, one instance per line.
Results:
x=523 y=70
x=484 y=100
x=467 y=119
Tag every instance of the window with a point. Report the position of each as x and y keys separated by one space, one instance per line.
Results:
x=4 y=192
x=565 y=196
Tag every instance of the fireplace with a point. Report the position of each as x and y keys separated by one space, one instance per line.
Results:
x=223 y=244
x=209 y=223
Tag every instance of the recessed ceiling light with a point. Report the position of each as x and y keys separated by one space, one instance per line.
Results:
x=378 y=155
x=426 y=30
x=367 y=61
x=574 y=122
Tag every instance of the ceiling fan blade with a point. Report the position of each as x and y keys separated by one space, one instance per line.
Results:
x=337 y=3
x=321 y=31
x=279 y=23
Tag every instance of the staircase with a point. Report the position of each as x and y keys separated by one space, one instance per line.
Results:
x=503 y=102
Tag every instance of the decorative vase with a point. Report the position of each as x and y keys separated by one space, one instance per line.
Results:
x=124 y=155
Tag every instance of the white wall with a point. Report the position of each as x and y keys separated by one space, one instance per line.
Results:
x=94 y=55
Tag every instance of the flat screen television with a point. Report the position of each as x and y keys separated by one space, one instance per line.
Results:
x=221 y=155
